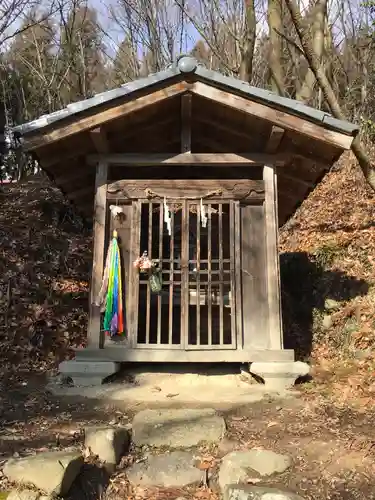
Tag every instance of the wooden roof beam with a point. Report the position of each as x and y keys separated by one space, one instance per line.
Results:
x=147 y=128
x=283 y=175
x=49 y=161
x=224 y=129
x=82 y=192
x=274 y=140
x=274 y=116
x=100 y=140
x=193 y=159
x=214 y=145
x=60 y=130
x=78 y=174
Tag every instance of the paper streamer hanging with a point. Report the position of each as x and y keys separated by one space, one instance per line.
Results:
x=112 y=286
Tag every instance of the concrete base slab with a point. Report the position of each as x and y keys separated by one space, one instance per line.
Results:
x=88 y=373
x=171 y=386
x=279 y=375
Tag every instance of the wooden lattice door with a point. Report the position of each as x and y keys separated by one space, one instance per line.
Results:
x=199 y=304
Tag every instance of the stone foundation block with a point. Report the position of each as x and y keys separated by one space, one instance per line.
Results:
x=279 y=375
x=88 y=373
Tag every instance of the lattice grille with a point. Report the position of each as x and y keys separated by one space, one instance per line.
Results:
x=196 y=308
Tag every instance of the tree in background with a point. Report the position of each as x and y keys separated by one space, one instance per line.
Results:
x=317 y=69
x=154 y=30
x=81 y=64
x=63 y=54
x=126 y=65
x=32 y=60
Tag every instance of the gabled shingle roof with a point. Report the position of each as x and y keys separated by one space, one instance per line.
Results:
x=188 y=65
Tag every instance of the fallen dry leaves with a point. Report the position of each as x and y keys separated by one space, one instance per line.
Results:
x=44 y=264
x=335 y=230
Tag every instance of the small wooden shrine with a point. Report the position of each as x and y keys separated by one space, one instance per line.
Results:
x=199 y=171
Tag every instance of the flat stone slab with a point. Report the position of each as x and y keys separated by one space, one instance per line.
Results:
x=52 y=472
x=177 y=428
x=176 y=469
x=238 y=466
x=109 y=444
x=244 y=492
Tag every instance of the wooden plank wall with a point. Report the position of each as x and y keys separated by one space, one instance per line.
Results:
x=254 y=289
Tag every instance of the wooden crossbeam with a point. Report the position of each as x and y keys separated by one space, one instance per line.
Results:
x=157 y=189
x=193 y=159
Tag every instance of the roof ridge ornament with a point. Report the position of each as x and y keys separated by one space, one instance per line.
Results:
x=186 y=63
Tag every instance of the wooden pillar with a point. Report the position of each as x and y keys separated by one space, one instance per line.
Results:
x=94 y=337
x=272 y=258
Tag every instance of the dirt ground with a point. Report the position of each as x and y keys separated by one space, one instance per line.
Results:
x=332 y=448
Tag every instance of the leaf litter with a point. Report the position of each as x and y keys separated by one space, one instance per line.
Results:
x=45 y=259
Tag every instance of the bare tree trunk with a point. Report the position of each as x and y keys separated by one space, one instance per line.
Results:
x=275 y=24
x=314 y=63
x=318 y=16
x=2 y=130
x=247 y=50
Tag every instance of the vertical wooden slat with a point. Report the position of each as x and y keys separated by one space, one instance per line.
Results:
x=232 y=249
x=134 y=273
x=94 y=337
x=198 y=268
x=149 y=250
x=185 y=274
x=161 y=222
x=221 y=274
x=237 y=262
x=171 y=280
x=273 y=271
x=209 y=269
x=186 y=123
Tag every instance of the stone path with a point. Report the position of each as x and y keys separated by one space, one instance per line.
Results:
x=166 y=442
x=177 y=428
